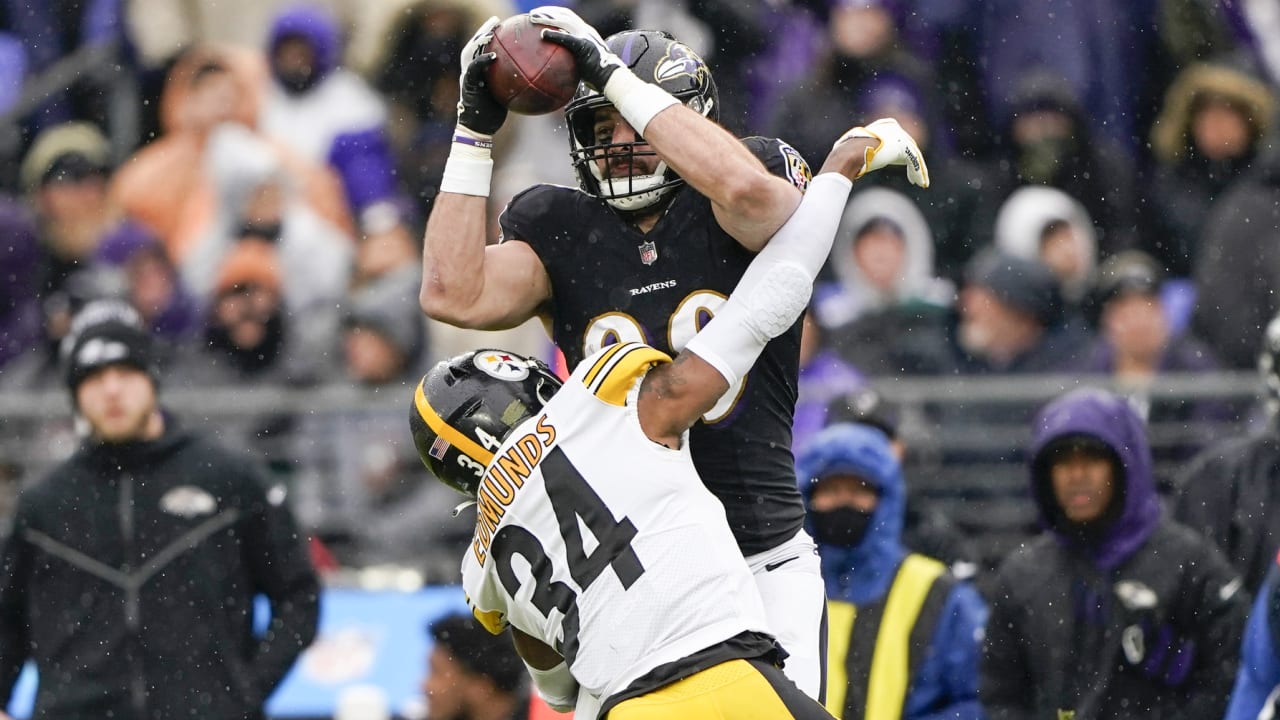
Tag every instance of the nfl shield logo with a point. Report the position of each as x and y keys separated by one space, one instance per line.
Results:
x=648 y=253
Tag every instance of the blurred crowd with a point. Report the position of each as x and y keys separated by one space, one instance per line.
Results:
x=253 y=176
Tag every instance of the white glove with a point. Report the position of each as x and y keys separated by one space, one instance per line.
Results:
x=896 y=148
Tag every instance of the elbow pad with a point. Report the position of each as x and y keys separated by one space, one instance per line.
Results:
x=556 y=686
x=774 y=291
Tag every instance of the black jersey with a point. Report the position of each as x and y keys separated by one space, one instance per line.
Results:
x=612 y=283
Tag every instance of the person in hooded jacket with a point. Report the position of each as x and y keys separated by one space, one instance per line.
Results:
x=131 y=572
x=906 y=605
x=326 y=113
x=887 y=311
x=1257 y=690
x=1116 y=611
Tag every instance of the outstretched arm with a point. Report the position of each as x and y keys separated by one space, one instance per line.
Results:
x=465 y=282
x=769 y=298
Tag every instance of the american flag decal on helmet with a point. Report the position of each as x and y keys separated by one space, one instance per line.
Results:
x=439 y=448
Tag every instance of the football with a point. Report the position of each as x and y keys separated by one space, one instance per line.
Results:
x=530 y=76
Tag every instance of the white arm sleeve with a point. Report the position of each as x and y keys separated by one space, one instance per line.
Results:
x=775 y=289
x=556 y=686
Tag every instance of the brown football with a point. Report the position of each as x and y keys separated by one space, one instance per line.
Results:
x=530 y=76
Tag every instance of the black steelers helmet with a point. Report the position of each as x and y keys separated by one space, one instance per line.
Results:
x=466 y=406
x=655 y=57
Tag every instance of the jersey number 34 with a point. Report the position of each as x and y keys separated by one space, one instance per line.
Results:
x=572 y=498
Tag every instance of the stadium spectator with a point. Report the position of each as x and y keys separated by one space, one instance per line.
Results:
x=1115 y=611
x=1048 y=226
x=256 y=196
x=416 y=69
x=1230 y=492
x=252 y=343
x=151 y=282
x=960 y=205
x=1136 y=343
x=1011 y=318
x=861 y=46
x=887 y=312
x=131 y=573
x=1050 y=141
x=855 y=498
x=65 y=175
x=473 y=674
x=325 y=113
x=926 y=528
x=168 y=185
x=1237 y=267
x=1208 y=134
x=360 y=486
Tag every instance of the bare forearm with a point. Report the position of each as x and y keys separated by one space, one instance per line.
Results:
x=718 y=165
x=453 y=255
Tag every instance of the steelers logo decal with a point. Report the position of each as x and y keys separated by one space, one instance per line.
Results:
x=502 y=365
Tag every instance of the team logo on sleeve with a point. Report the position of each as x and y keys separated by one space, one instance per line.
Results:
x=501 y=365
x=796 y=168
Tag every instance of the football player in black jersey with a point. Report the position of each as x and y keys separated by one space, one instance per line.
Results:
x=670 y=210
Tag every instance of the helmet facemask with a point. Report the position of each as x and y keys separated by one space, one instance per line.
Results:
x=657 y=58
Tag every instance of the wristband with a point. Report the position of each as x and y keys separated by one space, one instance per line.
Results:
x=469 y=169
x=637 y=101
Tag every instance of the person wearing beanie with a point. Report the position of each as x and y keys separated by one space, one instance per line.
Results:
x=65 y=175
x=131 y=572
x=151 y=281
x=472 y=674
x=1011 y=318
x=1115 y=611
x=385 y=335
x=855 y=499
x=1137 y=343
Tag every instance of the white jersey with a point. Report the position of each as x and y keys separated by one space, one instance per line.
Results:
x=602 y=543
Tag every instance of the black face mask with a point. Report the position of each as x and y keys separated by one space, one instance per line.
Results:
x=844 y=526
x=296 y=81
x=268 y=231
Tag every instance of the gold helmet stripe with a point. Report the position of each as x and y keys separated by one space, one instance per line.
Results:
x=451 y=434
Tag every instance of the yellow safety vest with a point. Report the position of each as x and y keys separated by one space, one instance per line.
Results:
x=869 y=667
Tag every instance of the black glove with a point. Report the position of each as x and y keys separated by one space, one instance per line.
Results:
x=478 y=112
x=596 y=63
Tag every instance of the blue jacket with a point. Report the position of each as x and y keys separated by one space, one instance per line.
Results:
x=1259 y=673
x=946 y=682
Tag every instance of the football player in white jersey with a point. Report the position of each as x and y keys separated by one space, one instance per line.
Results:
x=595 y=540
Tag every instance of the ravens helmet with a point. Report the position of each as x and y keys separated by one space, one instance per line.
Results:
x=464 y=408
x=658 y=58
